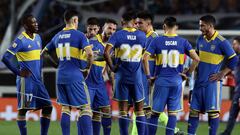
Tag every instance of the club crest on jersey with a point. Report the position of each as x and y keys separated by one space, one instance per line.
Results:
x=201 y=45
x=29 y=46
x=213 y=47
x=14 y=45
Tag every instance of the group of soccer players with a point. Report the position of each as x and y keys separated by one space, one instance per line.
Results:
x=148 y=73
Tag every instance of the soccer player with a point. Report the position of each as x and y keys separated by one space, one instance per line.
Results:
x=69 y=45
x=236 y=98
x=206 y=95
x=128 y=45
x=109 y=27
x=95 y=82
x=169 y=50
x=31 y=92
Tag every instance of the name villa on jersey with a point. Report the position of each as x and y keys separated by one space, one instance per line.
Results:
x=131 y=37
x=167 y=43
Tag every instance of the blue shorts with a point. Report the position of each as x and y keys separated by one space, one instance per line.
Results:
x=74 y=94
x=207 y=98
x=99 y=96
x=125 y=92
x=31 y=94
x=167 y=95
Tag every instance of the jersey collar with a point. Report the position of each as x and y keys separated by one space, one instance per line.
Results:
x=170 y=35
x=149 y=33
x=213 y=37
x=68 y=28
x=129 y=29
x=26 y=35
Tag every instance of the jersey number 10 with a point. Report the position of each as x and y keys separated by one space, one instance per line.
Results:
x=170 y=58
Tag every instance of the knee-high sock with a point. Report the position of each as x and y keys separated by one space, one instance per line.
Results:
x=22 y=127
x=85 y=122
x=140 y=122
x=65 y=124
x=44 y=125
x=154 y=121
x=192 y=124
x=213 y=123
x=172 y=119
x=106 y=124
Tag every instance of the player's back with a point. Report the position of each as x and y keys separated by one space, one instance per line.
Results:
x=69 y=45
x=128 y=46
x=170 y=50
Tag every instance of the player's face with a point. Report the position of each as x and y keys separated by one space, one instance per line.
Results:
x=236 y=46
x=142 y=24
x=204 y=27
x=109 y=29
x=31 y=25
x=92 y=30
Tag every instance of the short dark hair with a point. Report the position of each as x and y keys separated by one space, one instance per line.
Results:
x=68 y=14
x=25 y=18
x=128 y=16
x=208 y=19
x=145 y=15
x=170 y=21
x=93 y=21
x=111 y=21
x=237 y=38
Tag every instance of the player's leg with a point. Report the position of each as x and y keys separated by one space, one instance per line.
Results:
x=123 y=120
x=85 y=113
x=65 y=120
x=96 y=122
x=232 y=115
x=106 y=120
x=212 y=104
x=45 y=104
x=174 y=105
x=21 y=121
x=195 y=107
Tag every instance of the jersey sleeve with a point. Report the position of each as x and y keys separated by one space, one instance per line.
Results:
x=84 y=41
x=227 y=49
x=152 y=47
x=15 y=47
x=188 y=47
x=51 y=46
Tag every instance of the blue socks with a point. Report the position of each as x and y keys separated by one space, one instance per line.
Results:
x=172 y=119
x=192 y=124
x=85 y=123
x=141 y=124
x=96 y=127
x=213 y=124
x=123 y=125
x=153 y=120
x=106 y=124
x=22 y=127
x=44 y=125
x=65 y=124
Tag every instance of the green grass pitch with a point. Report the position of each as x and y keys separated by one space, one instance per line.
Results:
x=10 y=128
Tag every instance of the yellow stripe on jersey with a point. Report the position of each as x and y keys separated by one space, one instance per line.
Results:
x=159 y=58
x=210 y=58
x=170 y=35
x=133 y=52
x=100 y=63
x=99 y=38
x=149 y=33
x=232 y=56
x=11 y=52
x=213 y=37
x=28 y=56
x=26 y=35
x=74 y=53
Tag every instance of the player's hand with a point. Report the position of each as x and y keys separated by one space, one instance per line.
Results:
x=216 y=77
x=151 y=81
x=25 y=73
x=85 y=72
x=184 y=76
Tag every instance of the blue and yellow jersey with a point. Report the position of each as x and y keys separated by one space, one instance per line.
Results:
x=152 y=60
x=27 y=51
x=95 y=76
x=128 y=45
x=169 y=51
x=212 y=53
x=69 y=45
